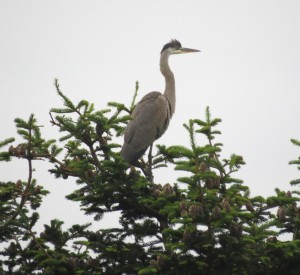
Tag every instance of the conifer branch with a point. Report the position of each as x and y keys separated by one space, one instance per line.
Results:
x=29 y=158
x=32 y=234
x=134 y=96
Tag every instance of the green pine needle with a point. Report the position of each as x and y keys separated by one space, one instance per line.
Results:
x=295 y=142
x=134 y=96
x=6 y=141
x=67 y=102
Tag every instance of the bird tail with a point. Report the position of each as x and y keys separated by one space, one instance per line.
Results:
x=130 y=155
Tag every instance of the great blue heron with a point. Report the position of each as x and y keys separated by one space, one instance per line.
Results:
x=151 y=116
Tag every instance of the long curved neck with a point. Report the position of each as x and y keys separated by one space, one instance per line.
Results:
x=169 y=79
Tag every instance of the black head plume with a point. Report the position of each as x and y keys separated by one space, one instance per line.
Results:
x=172 y=44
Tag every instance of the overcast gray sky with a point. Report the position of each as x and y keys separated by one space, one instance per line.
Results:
x=248 y=72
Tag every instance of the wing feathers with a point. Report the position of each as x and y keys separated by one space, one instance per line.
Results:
x=150 y=120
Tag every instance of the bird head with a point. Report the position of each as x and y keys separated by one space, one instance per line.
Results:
x=174 y=47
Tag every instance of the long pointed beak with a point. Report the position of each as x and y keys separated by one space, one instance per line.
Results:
x=186 y=50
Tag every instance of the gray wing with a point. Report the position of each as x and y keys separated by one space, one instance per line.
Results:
x=150 y=120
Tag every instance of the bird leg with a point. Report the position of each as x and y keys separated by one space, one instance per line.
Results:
x=150 y=174
x=147 y=167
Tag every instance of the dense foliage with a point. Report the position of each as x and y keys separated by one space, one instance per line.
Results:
x=205 y=223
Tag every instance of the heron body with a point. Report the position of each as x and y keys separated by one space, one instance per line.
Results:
x=151 y=116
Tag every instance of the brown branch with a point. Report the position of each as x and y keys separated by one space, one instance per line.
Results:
x=93 y=153
x=38 y=244
x=217 y=158
x=27 y=188
x=202 y=199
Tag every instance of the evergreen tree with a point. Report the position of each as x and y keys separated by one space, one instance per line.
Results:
x=204 y=223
